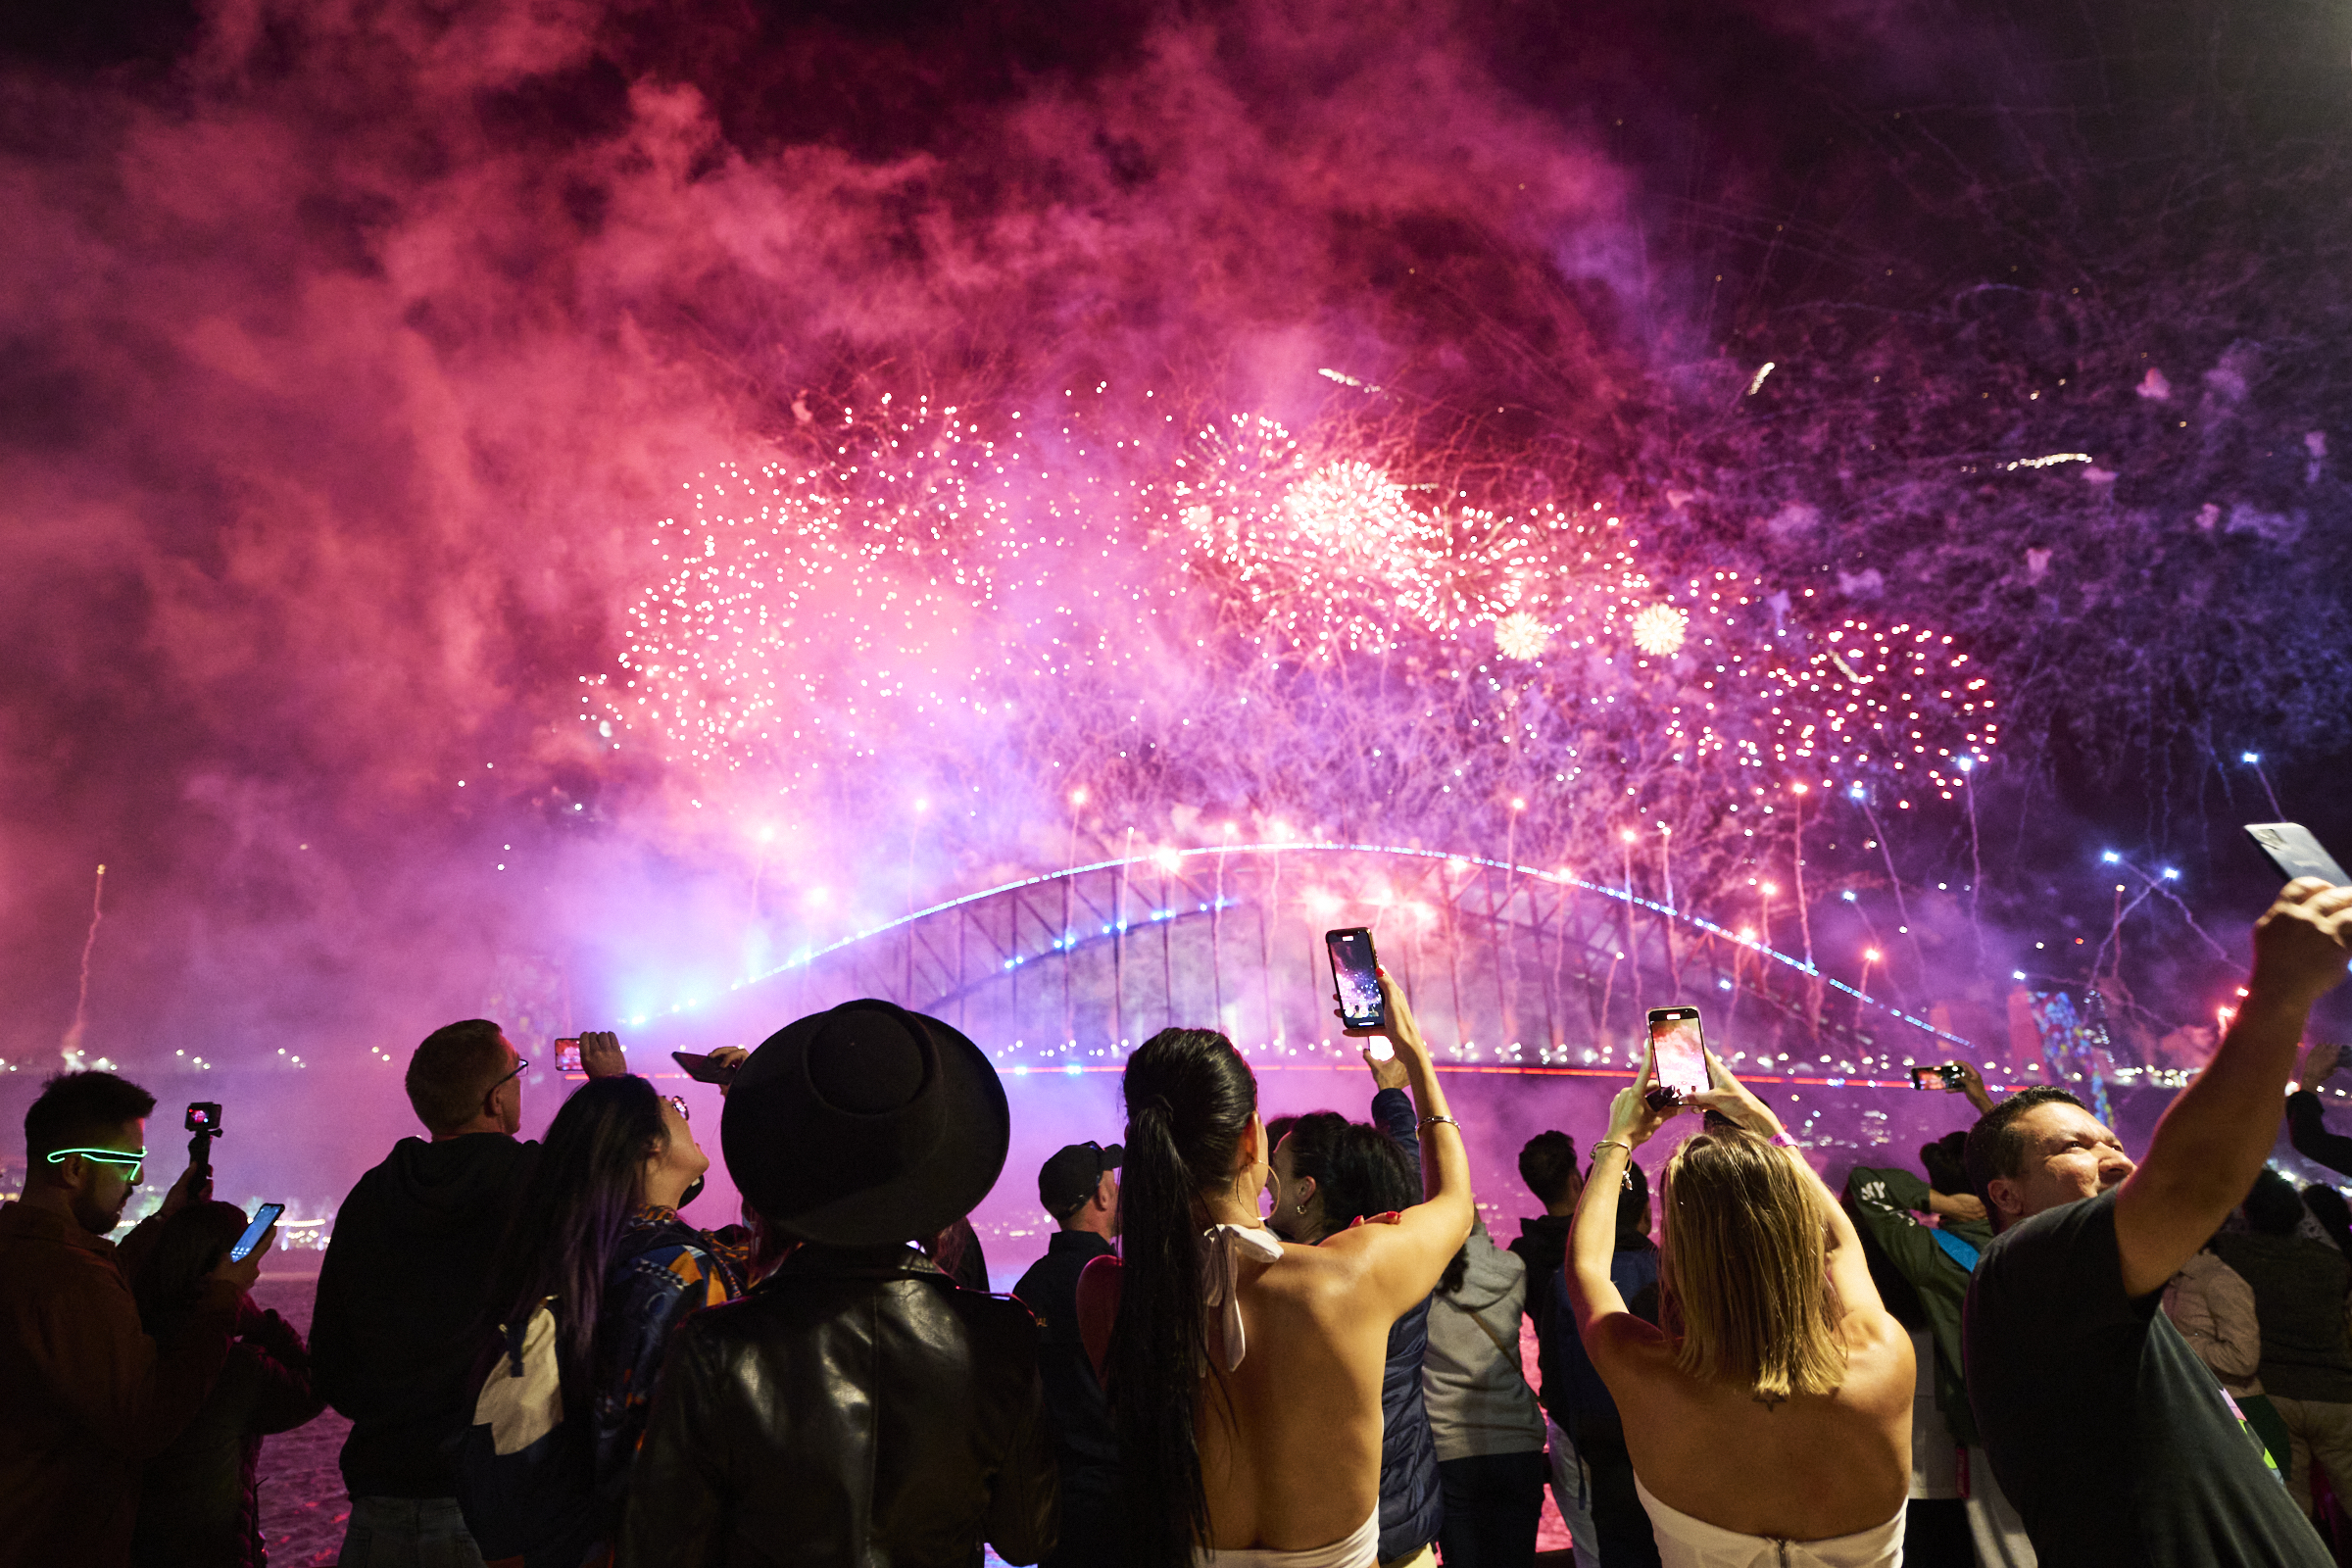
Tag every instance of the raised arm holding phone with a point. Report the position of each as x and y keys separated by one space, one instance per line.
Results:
x=1244 y=1373
x=2063 y=1332
x=1775 y=1346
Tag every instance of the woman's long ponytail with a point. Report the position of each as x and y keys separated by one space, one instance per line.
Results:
x=1190 y=1098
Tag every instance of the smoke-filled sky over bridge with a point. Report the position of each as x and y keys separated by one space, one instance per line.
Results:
x=997 y=438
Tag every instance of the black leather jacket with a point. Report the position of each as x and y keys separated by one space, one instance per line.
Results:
x=857 y=1409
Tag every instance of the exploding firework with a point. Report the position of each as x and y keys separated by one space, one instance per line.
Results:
x=870 y=609
x=1323 y=557
x=1521 y=636
x=1658 y=631
x=1283 y=627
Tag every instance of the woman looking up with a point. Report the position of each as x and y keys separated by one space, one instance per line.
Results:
x=598 y=1257
x=1775 y=1347
x=1245 y=1374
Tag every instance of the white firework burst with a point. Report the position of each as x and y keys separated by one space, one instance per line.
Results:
x=1521 y=636
x=1658 y=631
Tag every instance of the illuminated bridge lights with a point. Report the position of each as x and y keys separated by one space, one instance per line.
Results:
x=1162 y=859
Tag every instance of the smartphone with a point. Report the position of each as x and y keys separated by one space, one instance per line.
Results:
x=703 y=1070
x=1941 y=1076
x=1678 y=1045
x=1356 y=974
x=263 y=1219
x=567 y=1055
x=2295 y=853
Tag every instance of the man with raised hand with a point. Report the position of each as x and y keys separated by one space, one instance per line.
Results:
x=2106 y=1430
x=405 y=1286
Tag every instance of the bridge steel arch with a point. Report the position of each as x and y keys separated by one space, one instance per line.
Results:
x=1504 y=962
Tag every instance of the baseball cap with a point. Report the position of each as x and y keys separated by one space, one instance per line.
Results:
x=1071 y=1176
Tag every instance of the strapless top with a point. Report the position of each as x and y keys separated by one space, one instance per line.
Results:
x=1687 y=1543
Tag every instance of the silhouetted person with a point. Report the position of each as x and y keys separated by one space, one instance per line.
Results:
x=600 y=1270
x=2299 y=1287
x=86 y=1395
x=1957 y=1515
x=1621 y=1533
x=2306 y=1126
x=1080 y=1188
x=856 y=1405
x=404 y=1284
x=199 y=1501
x=1548 y=1164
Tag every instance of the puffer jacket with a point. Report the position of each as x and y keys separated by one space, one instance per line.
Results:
x=1412 y=1507
x=855 y=1410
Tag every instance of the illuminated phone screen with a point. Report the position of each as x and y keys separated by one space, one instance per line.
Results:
x=1678 y=1045
x=1356 y=973
x=262 y=1221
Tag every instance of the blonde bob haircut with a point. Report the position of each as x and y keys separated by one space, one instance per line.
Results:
x=1746 y=1268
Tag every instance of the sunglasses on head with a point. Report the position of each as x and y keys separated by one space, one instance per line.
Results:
x=134 y=1158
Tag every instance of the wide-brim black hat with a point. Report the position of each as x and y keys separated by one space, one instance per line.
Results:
x=865 y=1124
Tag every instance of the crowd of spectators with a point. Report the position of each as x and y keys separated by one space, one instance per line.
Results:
x=1289 y=1342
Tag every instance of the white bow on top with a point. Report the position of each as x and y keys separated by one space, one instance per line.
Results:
x=1222 y=1248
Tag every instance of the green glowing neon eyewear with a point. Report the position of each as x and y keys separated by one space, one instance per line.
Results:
x=113 y=1156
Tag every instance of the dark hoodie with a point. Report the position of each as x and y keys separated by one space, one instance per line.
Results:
x=401 y=1297
x=1543 y=1246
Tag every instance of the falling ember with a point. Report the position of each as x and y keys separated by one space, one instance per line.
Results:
x=1659 y=630
x=1521 y=636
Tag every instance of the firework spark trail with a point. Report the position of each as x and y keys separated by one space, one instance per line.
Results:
x=1255 y=624
x=70 y=1045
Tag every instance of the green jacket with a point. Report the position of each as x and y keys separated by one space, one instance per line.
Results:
x=1881 y=1203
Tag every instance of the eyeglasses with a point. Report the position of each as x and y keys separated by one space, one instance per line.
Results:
x=134 y=1158
x=677 y=1104
x=520 y=1066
